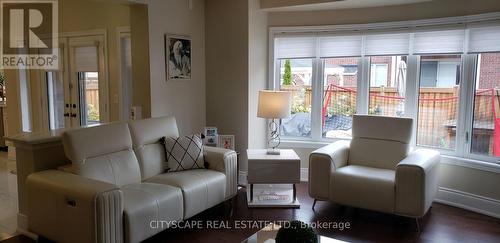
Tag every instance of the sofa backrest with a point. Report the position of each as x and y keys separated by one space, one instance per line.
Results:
x=146 y=136
x=103 y=153
x=378 y=141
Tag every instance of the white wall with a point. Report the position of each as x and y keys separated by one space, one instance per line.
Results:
x=183 y=99
x=257 y=72
x=227 y=70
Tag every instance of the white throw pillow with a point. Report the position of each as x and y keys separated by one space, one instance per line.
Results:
x=183 y=153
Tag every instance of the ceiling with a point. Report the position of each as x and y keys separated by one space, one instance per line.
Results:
x=314 y=5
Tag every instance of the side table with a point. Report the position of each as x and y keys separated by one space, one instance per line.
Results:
x=273 y=169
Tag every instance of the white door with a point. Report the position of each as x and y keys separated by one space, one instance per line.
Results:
x=76 y=92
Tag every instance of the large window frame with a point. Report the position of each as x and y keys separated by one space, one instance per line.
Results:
x=468 y=81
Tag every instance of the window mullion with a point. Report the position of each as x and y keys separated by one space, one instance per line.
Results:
x=466 y=107
x=317 y=90
x=363 y=86
x=411 y=93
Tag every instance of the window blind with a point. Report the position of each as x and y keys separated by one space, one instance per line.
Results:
x=486 y=39
x=439 y=42
x=295 y=47
x=387 y=44
x=340 y=46
x=86 y=59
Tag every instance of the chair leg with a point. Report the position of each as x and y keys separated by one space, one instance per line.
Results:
x=314 y=203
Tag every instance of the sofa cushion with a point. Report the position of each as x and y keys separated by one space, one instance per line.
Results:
x=103 y=153
x=184 y=153
x=146 y=136
x=364 y=187
x=201 y=188
x=147 y=203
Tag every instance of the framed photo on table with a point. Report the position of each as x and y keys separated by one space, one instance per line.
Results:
x=226 y=141
x=177 y=57
x=210 y=136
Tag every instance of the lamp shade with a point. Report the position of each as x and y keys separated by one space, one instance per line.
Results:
x=274 y=104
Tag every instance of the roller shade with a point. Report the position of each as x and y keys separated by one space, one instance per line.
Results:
x=434 y=42
x=86 y=59
x=387 y=44
x=485 y=39
x=295 y=47
x=340 y=46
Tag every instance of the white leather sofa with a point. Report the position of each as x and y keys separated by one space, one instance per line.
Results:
x=376 y=170
x=116 y=185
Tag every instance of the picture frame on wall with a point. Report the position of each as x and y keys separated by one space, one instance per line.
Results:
x=177 y=57
x=226 y=141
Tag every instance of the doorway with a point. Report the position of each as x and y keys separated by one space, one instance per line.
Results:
x=76 y=93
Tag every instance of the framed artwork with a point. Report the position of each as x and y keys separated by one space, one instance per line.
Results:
x=226 y=141
x=177 y=57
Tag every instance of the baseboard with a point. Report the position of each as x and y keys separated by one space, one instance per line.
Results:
x=304 y=174
x=468 y=201
x=22 y=226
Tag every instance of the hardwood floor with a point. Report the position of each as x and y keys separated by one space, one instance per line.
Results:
x=442 y=224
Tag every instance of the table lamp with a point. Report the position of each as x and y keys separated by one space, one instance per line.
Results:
x=274 y=105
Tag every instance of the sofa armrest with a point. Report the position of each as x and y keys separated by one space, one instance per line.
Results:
x=225 y=161
x=69 y=208
x=417 y=182
x=322 y=162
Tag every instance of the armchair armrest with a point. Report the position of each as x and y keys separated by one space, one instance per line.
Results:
x=322 y=162
x=69 y=208
x=225 y=161
x=417 y=182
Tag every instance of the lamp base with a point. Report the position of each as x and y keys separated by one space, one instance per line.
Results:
x=273 y=151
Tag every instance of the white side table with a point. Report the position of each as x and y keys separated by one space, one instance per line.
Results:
x=273 y=169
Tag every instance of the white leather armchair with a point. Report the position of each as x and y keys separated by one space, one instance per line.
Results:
x=376 y=170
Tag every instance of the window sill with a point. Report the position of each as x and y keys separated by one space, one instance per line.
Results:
x=296 y=143
x=446 y=159
x=471 y=163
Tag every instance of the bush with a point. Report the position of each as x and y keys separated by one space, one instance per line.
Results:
x=296 y=232
x=287 y=76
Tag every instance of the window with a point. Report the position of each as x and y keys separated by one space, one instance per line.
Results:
x=296 y=77
x=89 y=97
x=447 y=80
x=387 y=85
x=485 y=139
x=339 y=98
x=438 y=101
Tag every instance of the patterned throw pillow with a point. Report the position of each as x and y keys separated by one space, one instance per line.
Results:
x=183 y=153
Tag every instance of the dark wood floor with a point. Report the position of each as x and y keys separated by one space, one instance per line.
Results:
x=442 y=223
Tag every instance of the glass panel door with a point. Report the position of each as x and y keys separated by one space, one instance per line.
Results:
x=88 y=92
x=76 y=94
x=87 y=75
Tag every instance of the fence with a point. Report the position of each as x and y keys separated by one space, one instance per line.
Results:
x=437 y=113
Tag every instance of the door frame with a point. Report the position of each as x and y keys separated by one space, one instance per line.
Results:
x=122 y=31
x=103 y=75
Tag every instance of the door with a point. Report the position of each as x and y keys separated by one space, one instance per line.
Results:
x=76 y=92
